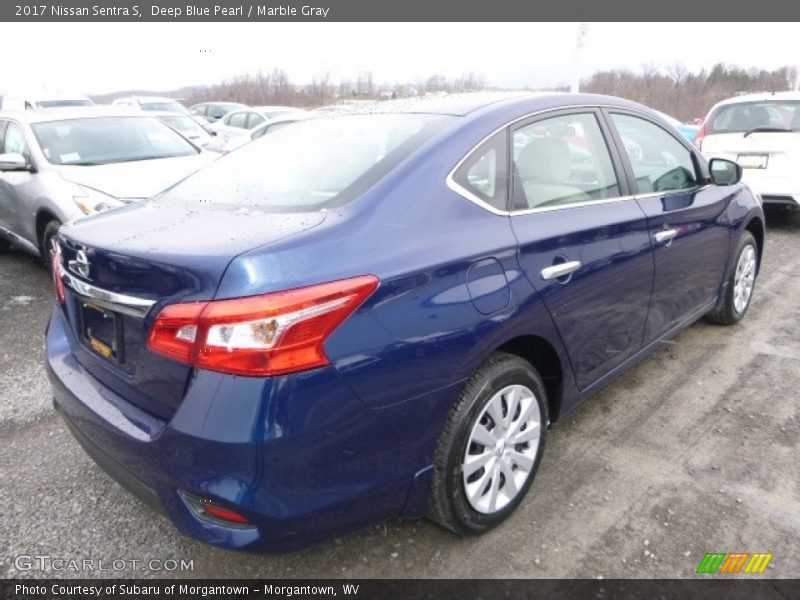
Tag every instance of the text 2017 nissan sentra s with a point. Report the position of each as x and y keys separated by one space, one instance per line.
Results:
x=379 y=313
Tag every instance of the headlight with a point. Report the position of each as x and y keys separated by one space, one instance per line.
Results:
x=91 y=201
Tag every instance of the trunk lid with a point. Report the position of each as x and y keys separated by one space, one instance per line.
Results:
x=156 y=253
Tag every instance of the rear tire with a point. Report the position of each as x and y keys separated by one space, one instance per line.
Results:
x=47 y=246
x=741 y=283
x=491 y=446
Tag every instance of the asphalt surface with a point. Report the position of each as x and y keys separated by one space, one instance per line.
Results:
x=695 y=450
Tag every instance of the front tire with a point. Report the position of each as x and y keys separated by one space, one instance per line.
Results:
x=741 y=282
x=491 y=446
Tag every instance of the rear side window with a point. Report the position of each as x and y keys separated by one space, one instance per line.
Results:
x=484 y=174
x=560 y=161
x=238 y=120
x=254 y=120
x=660 y=162
x=747 y=116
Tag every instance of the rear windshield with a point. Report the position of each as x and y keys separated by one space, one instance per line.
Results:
x=103 y=140
x=63 y=103
x=747 y=116
x=165 y=106
x=313 y=164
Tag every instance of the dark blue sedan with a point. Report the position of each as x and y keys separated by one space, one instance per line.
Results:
x=379 y=313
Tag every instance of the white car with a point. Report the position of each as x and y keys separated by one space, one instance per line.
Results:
x=245 y=121
x=44 y=101
x=223 y=145
x=761 y=132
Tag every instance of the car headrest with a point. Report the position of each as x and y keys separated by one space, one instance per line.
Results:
x=545 y=159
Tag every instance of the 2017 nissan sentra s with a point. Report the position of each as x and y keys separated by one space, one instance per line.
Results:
x=378 y=314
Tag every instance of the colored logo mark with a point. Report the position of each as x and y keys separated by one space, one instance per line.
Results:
x=735 y=562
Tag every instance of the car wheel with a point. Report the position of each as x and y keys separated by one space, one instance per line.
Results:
x=741 y=282
x=48 y=243
x=491 y=446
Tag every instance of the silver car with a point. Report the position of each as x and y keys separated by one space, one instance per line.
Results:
x=57 y=166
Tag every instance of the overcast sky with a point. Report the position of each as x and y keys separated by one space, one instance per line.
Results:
x=95 y=58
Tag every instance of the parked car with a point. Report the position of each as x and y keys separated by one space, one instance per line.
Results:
x=366 y=316
x=44 y=101
x=225 y=144
x=762 y=133
x=187 y=127
x=56 y=166
x=214 y=111
x=687 y=130
x=244 y=121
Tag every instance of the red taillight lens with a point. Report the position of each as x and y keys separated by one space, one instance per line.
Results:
x=55 y=268
x=273 y=334
x=225 y=514
x=698 y=139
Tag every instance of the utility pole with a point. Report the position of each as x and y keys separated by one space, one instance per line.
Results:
x=576 y=67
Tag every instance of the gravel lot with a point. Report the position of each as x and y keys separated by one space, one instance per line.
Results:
x=695 y=450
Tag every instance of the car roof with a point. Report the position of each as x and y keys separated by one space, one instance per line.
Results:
x=146 y=99
x=467 y=103
x=63 y=114
x=760 y=97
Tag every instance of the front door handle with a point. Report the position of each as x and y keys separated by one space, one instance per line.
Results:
x=665 y=236
x=560 y=270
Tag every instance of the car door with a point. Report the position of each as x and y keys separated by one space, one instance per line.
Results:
x=690 y=243
x=584 y=243
x=17 y=188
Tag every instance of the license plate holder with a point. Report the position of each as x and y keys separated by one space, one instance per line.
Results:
x=102 y=331
x=753 y=161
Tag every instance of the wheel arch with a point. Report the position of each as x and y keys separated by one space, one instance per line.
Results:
x=756 y=227
x=544 y=357
x=43 y=217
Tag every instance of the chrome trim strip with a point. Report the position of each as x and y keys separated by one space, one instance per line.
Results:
x=18 y=239
x=467 y=195
x=127 y=305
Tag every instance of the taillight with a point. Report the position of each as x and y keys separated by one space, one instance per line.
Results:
x=698 y=139
x=56 y=268
x=272 y=334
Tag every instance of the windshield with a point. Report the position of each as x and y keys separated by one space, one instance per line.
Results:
x=185 y=125
x=165 y=106
x=103 y=140
x=63 y=103
x=747 y=116
x=311 y=165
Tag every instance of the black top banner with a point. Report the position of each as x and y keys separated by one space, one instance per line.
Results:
x=394 y=10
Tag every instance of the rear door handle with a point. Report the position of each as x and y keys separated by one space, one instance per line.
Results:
x=665 y=236
x=560 y=270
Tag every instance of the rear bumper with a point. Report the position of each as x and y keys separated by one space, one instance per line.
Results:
x=301 y=457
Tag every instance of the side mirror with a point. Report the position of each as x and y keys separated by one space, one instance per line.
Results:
x=13 y=162
x=724 y=172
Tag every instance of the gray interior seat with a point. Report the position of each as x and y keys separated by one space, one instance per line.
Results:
x=544 y=167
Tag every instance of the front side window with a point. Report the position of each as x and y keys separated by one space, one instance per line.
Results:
x=314 y=164
x=14 y=141
x=561 y=161
x=484 y=173
x=104 y=140
x=660 y=162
